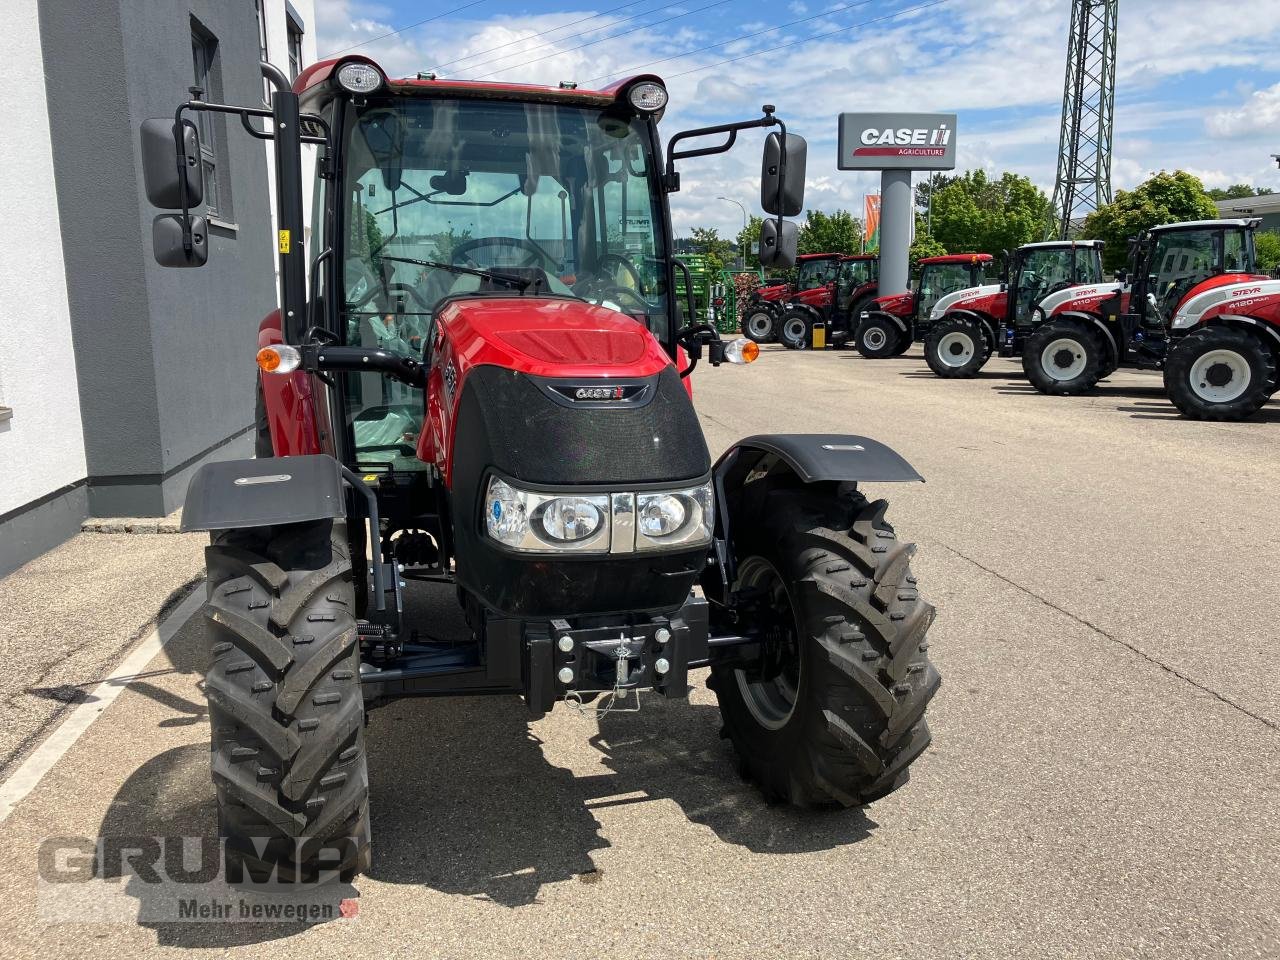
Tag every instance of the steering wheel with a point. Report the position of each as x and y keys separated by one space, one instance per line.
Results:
x=616 y=292
x=362 y=285
x=627 y=265
x=536 y=257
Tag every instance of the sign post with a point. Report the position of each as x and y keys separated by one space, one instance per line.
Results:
x=896 y=144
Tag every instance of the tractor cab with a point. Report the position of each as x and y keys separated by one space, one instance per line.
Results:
x=1039 y=269
x=1169 y=264
x=856 y=276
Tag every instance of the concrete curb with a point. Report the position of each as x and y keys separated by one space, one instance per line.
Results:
x=129 y=525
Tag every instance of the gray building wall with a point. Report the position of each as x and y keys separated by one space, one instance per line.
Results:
x=165 y=357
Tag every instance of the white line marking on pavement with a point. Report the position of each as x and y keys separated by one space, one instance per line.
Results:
x=33 y=769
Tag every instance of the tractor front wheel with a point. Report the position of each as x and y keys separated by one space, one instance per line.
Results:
x=877 y=337
x=285 y=707
x=794 y=330
x=760 y=323
x=1064 y=358
x=833 y=711
x=1217 y=373
x=956 y=348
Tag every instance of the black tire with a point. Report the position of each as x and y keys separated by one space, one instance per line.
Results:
x=904 y=344
x=877 y=338
x=1064 y=358
x=1191 y=375
x=795 y=331
x=956 y=348
x=862 y=676
x=285 y=705
x=262 y=446
x=760 y=322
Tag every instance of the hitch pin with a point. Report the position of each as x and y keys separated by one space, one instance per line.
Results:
x=622 y=675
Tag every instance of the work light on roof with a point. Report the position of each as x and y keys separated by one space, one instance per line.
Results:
x=648 y=97
x=357 y=77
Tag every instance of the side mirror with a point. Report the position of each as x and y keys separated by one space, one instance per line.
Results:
x=166 y=241
x=1122 y=276
x=779 y=243
x=160 y=164
x=782 y=175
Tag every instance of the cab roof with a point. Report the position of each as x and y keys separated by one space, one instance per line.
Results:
x=1247 y=223
x=313 y=82
x=959 y=258
x=1060 y=244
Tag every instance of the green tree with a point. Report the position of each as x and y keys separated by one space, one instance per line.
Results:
x=1268 y=244
x=1238 y=191
x=974 y=213
x=839 y=232
x=714 y=247
x=923 y=245
x=746 y=237
x=1162 y=198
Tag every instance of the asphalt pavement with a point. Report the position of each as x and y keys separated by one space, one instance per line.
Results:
x=1104 y=779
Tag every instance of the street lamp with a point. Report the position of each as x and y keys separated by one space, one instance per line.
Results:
x=743 y=246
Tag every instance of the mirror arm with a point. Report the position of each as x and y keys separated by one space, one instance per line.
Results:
x=671 y=179
x=318 y=357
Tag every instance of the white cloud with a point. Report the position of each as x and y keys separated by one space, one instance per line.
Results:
x=1259 y=114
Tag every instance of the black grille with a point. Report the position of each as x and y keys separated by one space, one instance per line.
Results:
x=533 y=438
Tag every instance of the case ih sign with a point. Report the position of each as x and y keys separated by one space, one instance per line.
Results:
x=897 y=141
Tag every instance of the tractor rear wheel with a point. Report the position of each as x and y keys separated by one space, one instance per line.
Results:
x=760 y=323
x=877 y=337
x=834 y=712
x=794 y=330
x=1217 y=373
x=956 y=348
x=285 y=706
x=1064 y=358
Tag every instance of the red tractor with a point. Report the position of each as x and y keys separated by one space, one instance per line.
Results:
x=888 y=325
x=816 y=275
x=968 y=326
x=481 y=384
x=855 y=284
x=1191 y=303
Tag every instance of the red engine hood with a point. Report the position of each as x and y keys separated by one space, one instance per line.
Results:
x=550 y=337
x=773 y=292
x=898 y=304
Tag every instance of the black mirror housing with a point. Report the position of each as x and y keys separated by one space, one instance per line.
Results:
x=782 y=185
x=166 y=241
x=160 y=164
x=779 y=242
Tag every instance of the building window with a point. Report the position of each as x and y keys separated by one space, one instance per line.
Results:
x=295 y=47
x=263 y=55
x=203 y=51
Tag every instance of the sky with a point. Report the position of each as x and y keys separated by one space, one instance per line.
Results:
x=1197 y=81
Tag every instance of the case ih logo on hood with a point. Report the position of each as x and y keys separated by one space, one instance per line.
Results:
x=602 y=393
x=904 y=142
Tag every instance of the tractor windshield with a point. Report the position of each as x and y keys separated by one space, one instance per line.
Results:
x=1046 y=270
x=939 y=279
x=816 y=273
x=1180 y=259
x=455 y=196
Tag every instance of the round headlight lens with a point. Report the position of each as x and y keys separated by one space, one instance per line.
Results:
x=648 y=97
x=567 y=519
x=505 y=513
x=359 y=77
x=660 y=515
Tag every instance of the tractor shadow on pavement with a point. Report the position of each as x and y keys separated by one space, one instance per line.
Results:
x=1167 y=411
x=980 y=375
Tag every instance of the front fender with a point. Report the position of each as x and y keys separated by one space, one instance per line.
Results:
x=885 y=315
x=748 y=470
x=231 y=494
x=1091 y=320
x=981 y=319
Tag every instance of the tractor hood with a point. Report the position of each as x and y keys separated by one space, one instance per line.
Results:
x=1239 y=298
x=551 y=337
x=970 y=298
x=898 y=304
x=1084 y=298
x=773 y=291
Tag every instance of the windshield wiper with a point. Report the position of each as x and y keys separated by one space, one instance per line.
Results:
x=521 y=283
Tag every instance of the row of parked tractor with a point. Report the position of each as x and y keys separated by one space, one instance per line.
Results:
x=1191 y=303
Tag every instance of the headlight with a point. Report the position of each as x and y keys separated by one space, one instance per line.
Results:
x=678 y=518
x=648 y=97
x=357 y=77
x=536 y=522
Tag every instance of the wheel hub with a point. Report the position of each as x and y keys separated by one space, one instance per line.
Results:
x=770 y=691
x=1220 y=376
x=874 y=338
x=956 y=349
x=1064 y=359
x=759 y=323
